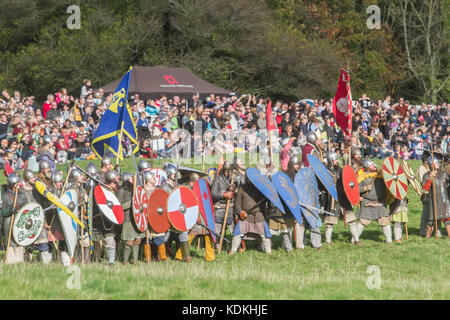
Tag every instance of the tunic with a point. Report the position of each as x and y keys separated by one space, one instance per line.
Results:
x=129 y=229
x=373 y=204
x=246 y=198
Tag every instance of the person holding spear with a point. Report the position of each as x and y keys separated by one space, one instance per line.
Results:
x=12 y=199
x=130 y=234
x=436 y=183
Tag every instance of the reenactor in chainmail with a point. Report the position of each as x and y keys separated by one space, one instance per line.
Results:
x=33 y=195
x=45 y=153
x=107 y=229
x=46 y=235
x=341 y=208
x=57 y=233
x=182 y=237
x=424 y=168
x=130 y=234
x=222 y=190
x=251 y=219
x=156 y=240
x=294 y=166
x=45 y=173
x=441 y=183
x=106 y=165
x=91 y=169
x=198 y=230
x=77 y=182
x=15 y=252
x=374 y=196
x=357 y=161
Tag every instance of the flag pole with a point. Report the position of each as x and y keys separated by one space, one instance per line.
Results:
x=119 y=152
x=349 y=135
x=349 y=121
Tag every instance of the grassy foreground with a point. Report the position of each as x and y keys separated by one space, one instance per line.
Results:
x=416 y=269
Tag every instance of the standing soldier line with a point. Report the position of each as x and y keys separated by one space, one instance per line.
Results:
x=249 y=206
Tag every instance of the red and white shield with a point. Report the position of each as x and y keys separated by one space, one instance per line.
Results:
x=140 y=204
x=160 y=176
x=182 y=209
x=109 y=205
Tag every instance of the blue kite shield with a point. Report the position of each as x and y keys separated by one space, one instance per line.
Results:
x=323 y=174
x=201 y=190
x=263 y=184
x=308 y=193
x=287 y=192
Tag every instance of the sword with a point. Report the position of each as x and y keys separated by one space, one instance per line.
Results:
x=201 y=224
x=320 y=210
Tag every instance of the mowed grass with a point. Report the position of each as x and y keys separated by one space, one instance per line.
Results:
x=416 y=269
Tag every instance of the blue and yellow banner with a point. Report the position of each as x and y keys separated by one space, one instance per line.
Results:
x=116 y=122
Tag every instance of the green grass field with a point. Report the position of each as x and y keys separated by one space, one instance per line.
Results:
x=415 y=269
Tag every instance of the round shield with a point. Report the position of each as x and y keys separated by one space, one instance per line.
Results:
x=109 y=205
x=412 y=178
x=211 y=174
x=350 y=184
x=395 y=178
x=69 y=226
x=157 y=211
x=263 y=184
x=182 y=209
x=160 y=176
x=140 y=203
x=323 y=174
x=28 y=224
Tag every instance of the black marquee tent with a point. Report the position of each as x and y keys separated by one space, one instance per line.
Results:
x=153 y=82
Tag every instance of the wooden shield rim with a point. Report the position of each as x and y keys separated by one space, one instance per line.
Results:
x=17 y=217
x=411 y=177
x=63 y=226
x=164 y=202
x=167 y=207
x=123 y=214
x=349 y=169
x=200 y=205
x=142 y=213
x=397 y=184
x=321 y=178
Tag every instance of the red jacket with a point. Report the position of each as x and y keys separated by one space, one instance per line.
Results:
x=307 y=149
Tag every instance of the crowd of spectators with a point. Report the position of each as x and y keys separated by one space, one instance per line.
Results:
x=380 y=128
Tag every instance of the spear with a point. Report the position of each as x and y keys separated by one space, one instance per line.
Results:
x=434 y=192
x=11 y=223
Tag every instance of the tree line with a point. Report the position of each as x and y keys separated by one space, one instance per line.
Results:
x=287 y=49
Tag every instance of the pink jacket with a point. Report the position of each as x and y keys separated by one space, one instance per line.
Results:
x=284 y=155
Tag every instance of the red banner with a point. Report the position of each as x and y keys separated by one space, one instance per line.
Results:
x=342 y=103
x=270 y=121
